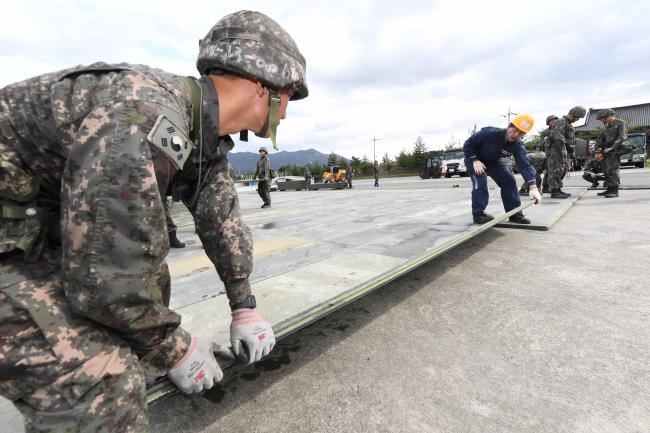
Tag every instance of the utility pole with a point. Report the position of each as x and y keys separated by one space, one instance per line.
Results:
x=508 y=115
x=374 y=153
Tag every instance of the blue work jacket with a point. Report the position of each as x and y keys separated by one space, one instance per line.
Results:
x=491 y=144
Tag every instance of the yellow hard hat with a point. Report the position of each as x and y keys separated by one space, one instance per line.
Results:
x=523 y=122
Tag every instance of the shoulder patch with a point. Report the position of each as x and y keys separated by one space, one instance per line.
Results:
x=171 y=140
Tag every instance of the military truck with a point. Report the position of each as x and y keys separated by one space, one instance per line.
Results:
x=453 y=162
x=580 y=153
x=432 y=168
x=638 y=155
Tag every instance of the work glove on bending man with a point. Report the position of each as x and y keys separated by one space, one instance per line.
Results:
x=479 y=168
x=251 y=337
x=198 y=369
x=534 y=195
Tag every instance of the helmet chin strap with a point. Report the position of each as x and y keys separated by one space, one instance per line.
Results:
x=272 y=119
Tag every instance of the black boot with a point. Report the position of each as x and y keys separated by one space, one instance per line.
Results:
x=266 y=205
x=557 y=193
x=523 y=192
x=519 y=218
x=483 y=218
x=174 y=242
x=613 y=192
x=605 y=192
x=594 y=185
x=568 y=194
x=545 y=189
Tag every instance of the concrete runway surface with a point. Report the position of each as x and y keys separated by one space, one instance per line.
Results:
x=512 y=331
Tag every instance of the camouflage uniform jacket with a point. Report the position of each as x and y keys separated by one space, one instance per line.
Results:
x=83 y=134
x=613 y=136
x=263 y=170
x=544 y=139
x=563 y=135
x=595 y=166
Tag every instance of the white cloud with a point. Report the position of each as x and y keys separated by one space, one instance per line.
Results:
x=394 y=70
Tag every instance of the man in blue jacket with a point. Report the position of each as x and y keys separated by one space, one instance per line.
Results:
x=485 y=154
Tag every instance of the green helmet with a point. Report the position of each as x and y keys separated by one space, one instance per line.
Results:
x=578 y=111
x=550 y=118
x=604 y=113
x=251 y=44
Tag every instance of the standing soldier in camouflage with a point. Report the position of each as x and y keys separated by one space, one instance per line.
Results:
x=263 y=176
x=560 y=150
x=544 y=139
x=594 y=169
x=307 y=174
x=611 y=142
x=375 y=173
x=87 y=156
x=348 y=174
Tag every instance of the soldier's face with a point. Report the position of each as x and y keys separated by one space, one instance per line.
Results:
x=598 y=157
x=285 y=95
x=551 y=124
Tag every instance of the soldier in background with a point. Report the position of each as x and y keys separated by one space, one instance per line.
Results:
x=348 y=174
x=263 y=176
x=611 y=142
x=174 y=242
x=537 y=159
x=561 y=147
x=307 y=174
x=594 y=169
x=375 y=173
x=87 y=156
x=544 y=139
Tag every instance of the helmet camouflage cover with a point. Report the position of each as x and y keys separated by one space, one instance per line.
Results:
x=251 y=44
x=604 y=113
x=578 y=111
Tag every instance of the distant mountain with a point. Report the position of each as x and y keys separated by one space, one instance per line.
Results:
x=244 y=162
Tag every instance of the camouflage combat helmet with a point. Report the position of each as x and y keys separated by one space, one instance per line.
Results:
x=251 y=44
x=550 y=118
x=604 y=113
x=263 y=149
x=578 y=111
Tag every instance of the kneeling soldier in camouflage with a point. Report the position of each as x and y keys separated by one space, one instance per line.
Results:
x=87 y=157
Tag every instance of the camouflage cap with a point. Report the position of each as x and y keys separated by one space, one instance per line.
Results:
x=263 y=149
x=578 y=111
x=551 y=118
x=251 y=44
x=604 y=113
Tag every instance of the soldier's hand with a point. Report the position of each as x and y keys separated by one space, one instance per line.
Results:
x=479 y=168
x=607 y=150
x=198 y=369
x=250 y=335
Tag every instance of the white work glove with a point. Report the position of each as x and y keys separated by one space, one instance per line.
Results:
x=479 y=168
x=251 y=337
x=198 y=369
x=534 y=195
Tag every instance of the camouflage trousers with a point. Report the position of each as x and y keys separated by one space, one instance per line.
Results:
x=264 y=190
x=555 y=167
x=171 y=226
x=592 y=177
x=612 y=164
x=63 y=373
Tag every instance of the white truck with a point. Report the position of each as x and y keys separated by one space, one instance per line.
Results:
x=453 y=162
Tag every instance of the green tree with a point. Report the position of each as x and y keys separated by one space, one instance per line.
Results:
x=331 y=159
x=420 y=154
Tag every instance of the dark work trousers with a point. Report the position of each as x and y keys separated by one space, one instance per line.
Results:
x=501 y=173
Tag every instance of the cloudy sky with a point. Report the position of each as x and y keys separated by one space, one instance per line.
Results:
x=394 y=70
